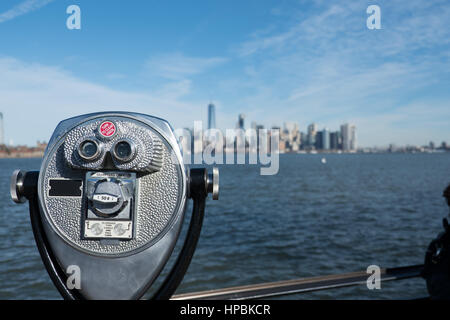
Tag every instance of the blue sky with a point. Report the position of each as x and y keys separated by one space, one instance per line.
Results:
x=274 y=61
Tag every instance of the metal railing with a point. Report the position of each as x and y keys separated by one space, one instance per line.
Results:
x=281 y=288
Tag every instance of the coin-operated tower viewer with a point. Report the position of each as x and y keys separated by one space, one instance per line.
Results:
x=110 y=200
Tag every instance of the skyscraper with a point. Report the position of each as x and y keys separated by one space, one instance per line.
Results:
x=319 y=140
x=312 y=131
x=353 y=141
x=2 y=130
x=240 y=124
x=211 y=116
x=326 y=139
x=259 y=142
x=348 y=133
x=335 y=140
x=345 y=134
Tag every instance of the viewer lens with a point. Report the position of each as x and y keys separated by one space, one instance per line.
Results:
x=123 y=150
x=88 y=150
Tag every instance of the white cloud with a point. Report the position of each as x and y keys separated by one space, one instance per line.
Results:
x=327 y=67
x=115 y=76
x=341 y=26
x=35 y=97
x=178 y=66
x=410 y=124
x=316 y=27
x=23 y=8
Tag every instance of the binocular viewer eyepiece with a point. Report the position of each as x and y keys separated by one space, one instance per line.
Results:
x=109 y=201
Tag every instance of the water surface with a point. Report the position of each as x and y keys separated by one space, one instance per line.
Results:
x=310 y=219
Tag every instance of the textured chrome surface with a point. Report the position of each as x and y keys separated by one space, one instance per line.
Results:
x=215 y=191
x=109 y=196
x=160 y=194
x=93 y=157
x=15 y=186
x=128 y=158
x=149 y=147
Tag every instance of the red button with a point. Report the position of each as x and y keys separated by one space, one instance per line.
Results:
x=107 y=129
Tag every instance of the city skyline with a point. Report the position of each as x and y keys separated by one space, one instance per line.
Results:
x=289 y=139
x=313 y=138
x=2 y=135
x=304 y=61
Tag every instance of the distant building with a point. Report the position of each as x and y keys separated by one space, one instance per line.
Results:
x=319 y=140
x=312 y=131
x=279 y=146
x=209 y=136
x=345 y=133
x=334 y=140
x=353 y=141
x=41 y=146
x=431 y=145
x=291 y=135
x=241 y=124
x=326 y=139
x=303 y=141
x=211 y=116
x=240 y=142
x=23 y=151
x=348 y=133
x=258 y=141
x=253 y=138
x=2 y=130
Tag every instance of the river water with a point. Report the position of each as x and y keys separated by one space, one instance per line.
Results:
x=310 y=219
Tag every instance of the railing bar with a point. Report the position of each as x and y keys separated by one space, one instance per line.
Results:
x=302 y=285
